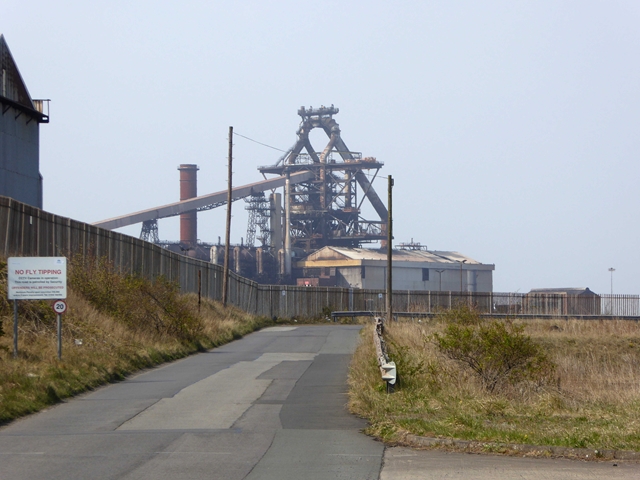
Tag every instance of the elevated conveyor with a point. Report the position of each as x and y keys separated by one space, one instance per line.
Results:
x=204 y=202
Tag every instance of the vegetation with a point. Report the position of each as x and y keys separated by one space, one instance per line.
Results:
x=565 y=383
x=498 y=352
x=115 y=325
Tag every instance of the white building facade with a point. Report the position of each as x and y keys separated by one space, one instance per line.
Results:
x=418 y=270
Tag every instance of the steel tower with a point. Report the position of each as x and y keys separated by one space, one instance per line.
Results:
x=326 y=209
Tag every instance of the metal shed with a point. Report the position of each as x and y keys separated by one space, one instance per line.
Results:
x=19 y=134
x=564 y=301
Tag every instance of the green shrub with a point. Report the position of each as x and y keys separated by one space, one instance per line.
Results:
x=462 y=315
x=408 y=365
x=140 y=303
x=498 y=352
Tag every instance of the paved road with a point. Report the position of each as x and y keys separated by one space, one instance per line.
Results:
x=406 y=464
x=269 y=406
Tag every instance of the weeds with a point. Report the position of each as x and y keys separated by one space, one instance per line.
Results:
x=410 y=365
x=140 y=303
x=497 y=351
x=591 y=398
x=115 y=325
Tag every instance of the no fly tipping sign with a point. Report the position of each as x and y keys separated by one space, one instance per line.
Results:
x=37 y=278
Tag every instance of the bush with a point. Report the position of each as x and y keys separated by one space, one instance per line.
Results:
x=408 y=365
x=140 y=303
x=462 y=315
x=498 y=352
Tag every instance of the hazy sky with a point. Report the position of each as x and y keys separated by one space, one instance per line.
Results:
x=511 y=128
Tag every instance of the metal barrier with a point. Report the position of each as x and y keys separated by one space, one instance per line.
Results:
x=387 y=368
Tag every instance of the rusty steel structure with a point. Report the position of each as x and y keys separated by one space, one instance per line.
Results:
x=188 y=190
x=325 y=210
x=323 y=195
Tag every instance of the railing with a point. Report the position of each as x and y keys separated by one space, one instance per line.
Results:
x=40 y=106
x=28 y=231
x=511 y=304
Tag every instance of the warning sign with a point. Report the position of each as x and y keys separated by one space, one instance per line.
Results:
x=37 y=278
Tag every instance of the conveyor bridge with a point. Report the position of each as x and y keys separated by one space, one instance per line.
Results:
x=204 y=202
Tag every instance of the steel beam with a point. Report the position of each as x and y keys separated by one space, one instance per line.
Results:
x=201 y=202
x=362 y=179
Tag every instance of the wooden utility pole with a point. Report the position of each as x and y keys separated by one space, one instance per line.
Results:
x=199 y=289
x=227 y=238
x=389 y=253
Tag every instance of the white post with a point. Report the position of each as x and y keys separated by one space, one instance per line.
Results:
x=287 y=226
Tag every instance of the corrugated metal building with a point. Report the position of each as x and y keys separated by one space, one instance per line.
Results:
x=412 y=270
x=564 y=301
x=19 y=134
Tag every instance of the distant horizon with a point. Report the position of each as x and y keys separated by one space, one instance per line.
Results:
x=510 y=129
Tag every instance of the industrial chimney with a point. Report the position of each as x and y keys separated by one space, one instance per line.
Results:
x=189 y=220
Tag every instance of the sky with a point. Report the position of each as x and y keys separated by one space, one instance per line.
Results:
x=511 y=129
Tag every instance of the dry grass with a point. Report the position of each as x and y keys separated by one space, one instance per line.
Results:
x=597 y=360
x=99 y=347
x=593 y=401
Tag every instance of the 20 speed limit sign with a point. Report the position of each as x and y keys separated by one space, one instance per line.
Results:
x=60 y=307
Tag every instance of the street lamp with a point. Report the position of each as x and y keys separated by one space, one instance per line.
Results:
x=440 y=273
x=612 y=270
x=463 y=261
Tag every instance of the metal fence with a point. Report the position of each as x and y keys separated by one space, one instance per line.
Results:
x=520 y=304
x=28 y=231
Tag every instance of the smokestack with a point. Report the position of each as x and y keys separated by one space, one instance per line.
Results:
x=189 y=220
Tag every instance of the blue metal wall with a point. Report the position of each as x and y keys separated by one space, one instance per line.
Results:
x=19 y=157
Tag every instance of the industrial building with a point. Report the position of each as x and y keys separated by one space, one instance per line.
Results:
x=312 y=232
x=19 y=134
x=564 y=301
x=413 y=269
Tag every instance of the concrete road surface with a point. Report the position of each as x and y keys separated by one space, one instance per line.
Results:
x=269 y=406
x=406 y=464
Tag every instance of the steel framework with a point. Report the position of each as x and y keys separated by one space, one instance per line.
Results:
x=149 y=231
x=326 y=209
x=259 y=210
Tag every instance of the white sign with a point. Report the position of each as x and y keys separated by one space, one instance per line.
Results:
x=60 y=307
x=37 y=278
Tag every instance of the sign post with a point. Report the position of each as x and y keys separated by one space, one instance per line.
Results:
x=59 y=307
x=36 y=278
x=15 y=329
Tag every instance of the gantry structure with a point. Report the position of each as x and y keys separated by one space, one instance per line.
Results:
x=324 y=191
x=325 y=209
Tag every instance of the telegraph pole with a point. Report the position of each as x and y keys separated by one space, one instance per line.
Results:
x=389 y=252
x=227 y=239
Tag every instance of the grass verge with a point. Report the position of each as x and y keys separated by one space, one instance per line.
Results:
x=589 y=399
x=115 y=325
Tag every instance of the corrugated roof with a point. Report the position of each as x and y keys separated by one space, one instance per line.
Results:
x=12 y=87
x=398 y=255
x=568 y=291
